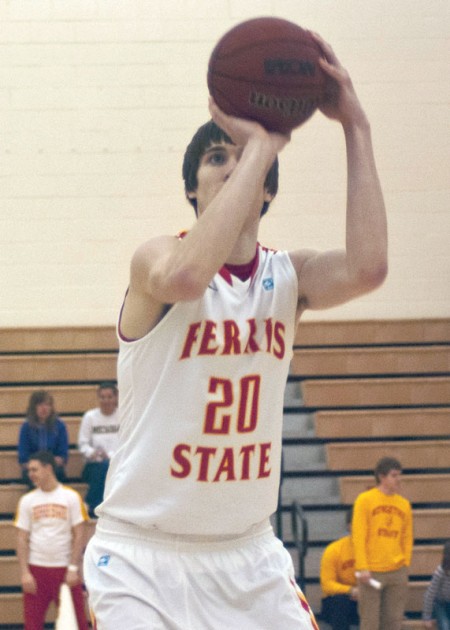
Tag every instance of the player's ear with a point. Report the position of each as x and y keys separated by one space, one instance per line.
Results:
x=191 y=194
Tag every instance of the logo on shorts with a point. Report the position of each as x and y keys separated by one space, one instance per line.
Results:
x=103 y=561
x=268 y=284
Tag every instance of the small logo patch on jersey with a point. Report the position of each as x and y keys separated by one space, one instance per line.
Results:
x=103 y=561
x=268 y=284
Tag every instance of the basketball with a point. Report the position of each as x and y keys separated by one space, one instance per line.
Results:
x=267 y=69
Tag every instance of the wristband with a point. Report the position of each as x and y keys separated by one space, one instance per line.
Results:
x=72 y=567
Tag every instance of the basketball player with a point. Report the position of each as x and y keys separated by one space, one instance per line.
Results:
x=183 y=540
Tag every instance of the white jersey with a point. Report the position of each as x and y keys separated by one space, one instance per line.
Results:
x=49 y=518
x=201 y=402
x=98 y=431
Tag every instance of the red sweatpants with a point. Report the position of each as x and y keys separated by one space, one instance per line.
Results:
x=49 y=580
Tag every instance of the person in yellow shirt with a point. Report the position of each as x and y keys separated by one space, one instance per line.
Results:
x=338 y=582
x=382 y=535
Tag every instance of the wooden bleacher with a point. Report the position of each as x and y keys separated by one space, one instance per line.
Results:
x=371 y=388
x=68 y=362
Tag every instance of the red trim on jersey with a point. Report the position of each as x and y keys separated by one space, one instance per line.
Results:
x=304 y=604
x=243 y=272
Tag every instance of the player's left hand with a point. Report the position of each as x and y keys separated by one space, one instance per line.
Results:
x=341 y=102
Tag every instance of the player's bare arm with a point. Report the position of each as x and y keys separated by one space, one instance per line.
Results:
x=166 y=270
x=331 y=278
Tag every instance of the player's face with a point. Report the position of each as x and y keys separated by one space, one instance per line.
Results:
x=390 y=483
x=107 y=400
x=216 y=166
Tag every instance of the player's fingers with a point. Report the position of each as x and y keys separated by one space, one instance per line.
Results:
x=325 y=47
x=338 y=73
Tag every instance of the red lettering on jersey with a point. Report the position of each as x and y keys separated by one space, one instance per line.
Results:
x=182 y=460
x=269 y=333
x=264 y=471
x=246 y=451
x=279 y=338
x=232 y=342
x=216 y=465
x=205 y=453
x=248 y=404
x=213 y=407
x=252 y=347
x=226 y=466
x=204 y=338
x=209 y=335
x=191 y=338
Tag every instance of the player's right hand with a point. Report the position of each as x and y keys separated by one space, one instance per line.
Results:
x=241 y=130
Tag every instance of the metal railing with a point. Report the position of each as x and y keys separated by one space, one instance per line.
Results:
x=300 y=535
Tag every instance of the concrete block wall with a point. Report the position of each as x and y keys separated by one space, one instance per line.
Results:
x=98 y=99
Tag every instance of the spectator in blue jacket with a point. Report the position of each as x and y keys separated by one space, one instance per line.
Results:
x=43 y=430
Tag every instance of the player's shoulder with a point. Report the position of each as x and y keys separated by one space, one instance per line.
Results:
x=149 y=251
x=299 y=257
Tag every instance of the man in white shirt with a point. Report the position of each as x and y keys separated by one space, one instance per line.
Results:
x=50 y=540
x=97 y=440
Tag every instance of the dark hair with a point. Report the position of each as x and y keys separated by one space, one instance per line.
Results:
x=446 y=556
x=384 y=467
x=205 y=136
x=36 y=399
x=107 y=385
x=46 y=458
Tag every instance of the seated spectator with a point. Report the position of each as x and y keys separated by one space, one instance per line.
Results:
x=97 y=440
x=338 y=582
x=436 y=603
x=43 y=430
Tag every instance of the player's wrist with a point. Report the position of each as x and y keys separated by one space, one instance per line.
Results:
x=73 y=568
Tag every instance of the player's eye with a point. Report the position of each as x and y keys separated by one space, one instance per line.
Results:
x=217 y=158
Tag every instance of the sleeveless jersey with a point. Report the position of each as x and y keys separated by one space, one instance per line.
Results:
x=201 y=406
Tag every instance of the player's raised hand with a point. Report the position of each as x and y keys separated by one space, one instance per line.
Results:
x=341 y=102
x=241 y=130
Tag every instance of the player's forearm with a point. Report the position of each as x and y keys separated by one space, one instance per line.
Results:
x=366 y=232
x=185 y=272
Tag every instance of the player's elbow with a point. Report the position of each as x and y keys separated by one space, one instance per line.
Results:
x=185 y=283
x=189 y=283
x=372 y=276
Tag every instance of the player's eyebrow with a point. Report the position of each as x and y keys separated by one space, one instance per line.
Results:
x=214 y=148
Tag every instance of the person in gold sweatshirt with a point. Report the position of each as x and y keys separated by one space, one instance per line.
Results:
x=338 y=582
x=382 y=535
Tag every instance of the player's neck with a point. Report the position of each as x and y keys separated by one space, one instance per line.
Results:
x=245 y=248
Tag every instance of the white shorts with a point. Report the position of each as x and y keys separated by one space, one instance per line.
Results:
x=169 y=583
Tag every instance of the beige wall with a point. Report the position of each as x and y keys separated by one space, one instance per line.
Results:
x=99 y=98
